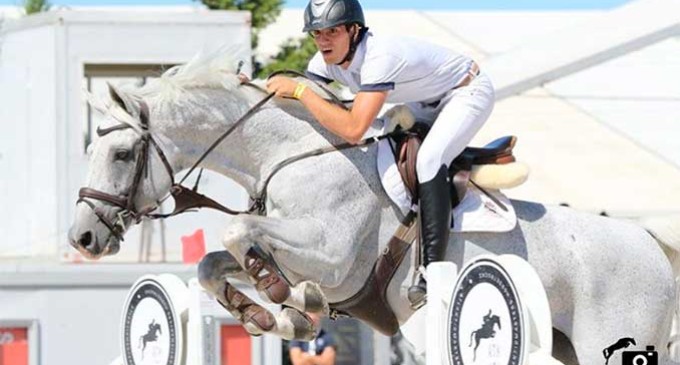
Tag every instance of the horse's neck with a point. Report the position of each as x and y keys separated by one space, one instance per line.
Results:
x=249 y=153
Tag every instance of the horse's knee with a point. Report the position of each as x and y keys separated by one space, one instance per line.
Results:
x=207 y=273
x=429 y=162
x=239 y=230
x=213 y=267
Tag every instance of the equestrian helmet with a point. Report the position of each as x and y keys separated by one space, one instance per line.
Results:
x=321 y=14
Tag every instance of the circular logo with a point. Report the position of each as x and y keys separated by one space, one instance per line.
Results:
x=151 y=327
x=485 y=321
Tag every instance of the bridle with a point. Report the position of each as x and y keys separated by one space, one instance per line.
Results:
x=126 y=201
x=187 y=199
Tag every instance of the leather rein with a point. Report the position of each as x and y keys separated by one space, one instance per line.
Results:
x=185 y=198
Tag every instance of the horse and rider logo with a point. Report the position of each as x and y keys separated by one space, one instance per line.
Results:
x=484 y=290
x=150 y=335
x=487 y=331
x=151 y=326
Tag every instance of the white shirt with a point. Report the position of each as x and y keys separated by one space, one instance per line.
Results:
x=411 y=70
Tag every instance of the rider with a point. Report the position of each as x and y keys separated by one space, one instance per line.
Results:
x=440 y=87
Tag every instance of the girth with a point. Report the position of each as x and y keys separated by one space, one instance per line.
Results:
x=369 y=304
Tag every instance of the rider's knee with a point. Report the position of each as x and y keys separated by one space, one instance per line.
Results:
x=428 y=164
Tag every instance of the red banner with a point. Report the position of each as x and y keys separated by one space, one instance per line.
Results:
x=235 y=349
x=193 y=247
x=13 y=346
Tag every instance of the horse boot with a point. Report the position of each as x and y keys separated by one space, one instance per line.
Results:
x=435 y=215
x=247 y=311
x=268 y=277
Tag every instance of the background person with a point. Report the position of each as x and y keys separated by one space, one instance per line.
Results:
x=320 y=351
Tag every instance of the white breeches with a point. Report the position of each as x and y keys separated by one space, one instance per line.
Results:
x=457 y=118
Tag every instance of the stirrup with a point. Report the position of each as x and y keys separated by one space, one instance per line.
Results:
x=417 y=293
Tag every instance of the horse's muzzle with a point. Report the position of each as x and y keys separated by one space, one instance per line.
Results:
x=89 y=246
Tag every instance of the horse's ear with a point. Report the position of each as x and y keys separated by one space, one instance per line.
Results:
x=95 y=102
x=123 y=100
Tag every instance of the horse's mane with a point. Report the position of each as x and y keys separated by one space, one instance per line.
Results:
x=208 y=70
x=216 y=70
x=205 y=70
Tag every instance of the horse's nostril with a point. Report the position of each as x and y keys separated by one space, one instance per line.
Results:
x=85 y=239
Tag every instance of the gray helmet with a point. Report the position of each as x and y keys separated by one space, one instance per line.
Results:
x=321 y=14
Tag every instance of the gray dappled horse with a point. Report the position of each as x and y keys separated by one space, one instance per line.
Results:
x=329 y=218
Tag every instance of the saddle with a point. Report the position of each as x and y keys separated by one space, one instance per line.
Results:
x=498 y=152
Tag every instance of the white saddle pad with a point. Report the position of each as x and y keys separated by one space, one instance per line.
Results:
x=475 y=213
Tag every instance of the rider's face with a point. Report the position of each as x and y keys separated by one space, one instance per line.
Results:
x=332 y=42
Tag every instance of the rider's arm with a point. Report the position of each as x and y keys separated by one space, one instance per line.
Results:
x=348 y=125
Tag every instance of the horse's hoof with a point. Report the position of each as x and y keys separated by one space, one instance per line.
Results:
x=303 y=327
x=315 y=300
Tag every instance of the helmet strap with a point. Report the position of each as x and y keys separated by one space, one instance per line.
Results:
x=354 y=40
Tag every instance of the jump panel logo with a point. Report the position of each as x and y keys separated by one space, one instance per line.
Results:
x=149 y=328
x=485 y=324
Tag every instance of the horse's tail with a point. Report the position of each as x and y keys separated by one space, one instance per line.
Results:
x=472 y=335
x=666 y=230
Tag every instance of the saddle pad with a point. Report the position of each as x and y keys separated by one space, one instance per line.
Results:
x=475 y=213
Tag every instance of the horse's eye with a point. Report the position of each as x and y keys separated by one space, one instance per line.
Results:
x=122 y=155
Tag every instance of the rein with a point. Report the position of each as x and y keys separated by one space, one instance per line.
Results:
x=186 y=198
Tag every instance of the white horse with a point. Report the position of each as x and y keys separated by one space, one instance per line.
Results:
x=328 y=217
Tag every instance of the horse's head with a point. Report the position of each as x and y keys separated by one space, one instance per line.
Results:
x=128 y=174
x=496 y=320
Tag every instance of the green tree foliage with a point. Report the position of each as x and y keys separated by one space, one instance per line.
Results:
x=263 y=12
x=36 y=6
x=294 y=55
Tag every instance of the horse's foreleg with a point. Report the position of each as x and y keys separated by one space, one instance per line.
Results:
x=252 y=237
x=213 y=272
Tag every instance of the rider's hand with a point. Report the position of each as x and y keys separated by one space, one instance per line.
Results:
x=282 y=86
x=243 y=78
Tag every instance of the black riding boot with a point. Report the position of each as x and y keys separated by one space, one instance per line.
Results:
x=435 y=220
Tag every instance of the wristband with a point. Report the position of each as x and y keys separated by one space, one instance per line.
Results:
x=299 y=89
